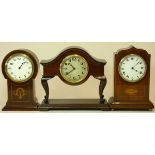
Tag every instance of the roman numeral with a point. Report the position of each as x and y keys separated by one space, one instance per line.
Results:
x=74 y=59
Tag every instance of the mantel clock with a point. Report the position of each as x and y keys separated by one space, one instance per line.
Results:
x=20 y=68
x=131 y=80
x=74 y=66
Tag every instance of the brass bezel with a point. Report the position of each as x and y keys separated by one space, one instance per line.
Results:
x=62 y=64
x=23 y=55
x=133 y=81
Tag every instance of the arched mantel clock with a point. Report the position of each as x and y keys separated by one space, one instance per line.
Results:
x=20 y=68
x=131 y=80
x=74 y=66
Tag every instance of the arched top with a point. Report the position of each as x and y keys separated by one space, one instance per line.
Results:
x=27 y=52
x=131 y=50
x=52 y=67
x=72 y=50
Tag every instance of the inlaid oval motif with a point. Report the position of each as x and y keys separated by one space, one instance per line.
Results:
x=20 y=93
x=131 y=91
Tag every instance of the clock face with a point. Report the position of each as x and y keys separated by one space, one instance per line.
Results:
x=132 y=68
x=19 y=68
x=74 y=69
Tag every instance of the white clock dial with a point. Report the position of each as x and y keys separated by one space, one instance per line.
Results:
x=19 y=68
x=74 y=68
x=132 y=68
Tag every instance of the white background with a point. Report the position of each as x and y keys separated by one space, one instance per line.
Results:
x=80 y=132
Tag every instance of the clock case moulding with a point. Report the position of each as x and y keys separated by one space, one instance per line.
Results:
x=51 y=68
x=28 y=101
x=131 y=95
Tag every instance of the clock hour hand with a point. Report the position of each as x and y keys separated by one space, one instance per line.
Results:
x=21 y=65
x=72 y=66
x=136 y=70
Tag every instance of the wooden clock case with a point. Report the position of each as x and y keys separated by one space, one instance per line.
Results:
x=127 y=95
x=21 y=96
x=51 y=68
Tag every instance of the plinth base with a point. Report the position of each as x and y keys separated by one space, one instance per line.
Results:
x=21 y=108
x=74 y=104
x=126 y=105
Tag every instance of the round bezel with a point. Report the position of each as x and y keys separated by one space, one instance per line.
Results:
x=71 y=81
x=120 y=64
x=22 y=55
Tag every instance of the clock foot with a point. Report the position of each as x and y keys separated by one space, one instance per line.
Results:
x=102 y=100
x=111 y=100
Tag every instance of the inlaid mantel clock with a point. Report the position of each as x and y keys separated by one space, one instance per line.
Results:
x=74 y=66
x=131 y=80
x=20 y=68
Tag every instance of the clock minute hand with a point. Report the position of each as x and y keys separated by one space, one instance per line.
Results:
x=67 y=73
x=72 y=66
x=136 y=64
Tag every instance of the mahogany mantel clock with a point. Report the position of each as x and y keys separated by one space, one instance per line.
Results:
x=20 y=68
x=131 y=80
x=74 y=66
